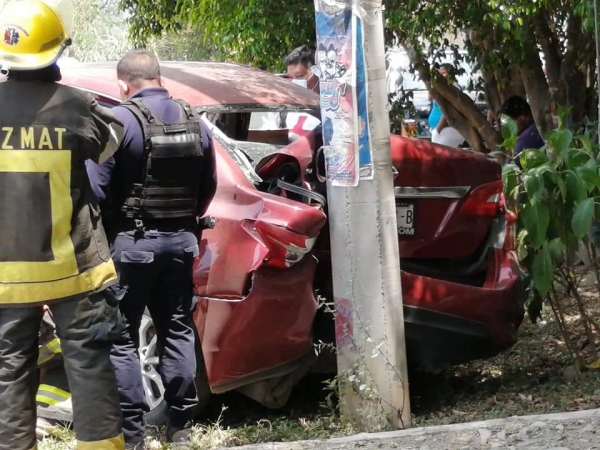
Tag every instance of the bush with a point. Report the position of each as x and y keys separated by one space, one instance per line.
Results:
x=555 y=195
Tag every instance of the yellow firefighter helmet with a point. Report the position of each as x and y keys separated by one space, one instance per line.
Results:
x=33 y=33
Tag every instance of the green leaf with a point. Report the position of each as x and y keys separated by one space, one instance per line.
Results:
x=536 y=218
x=582 y=217
x=543 y=271
x=508 y=128
x=559 y=140
x=586 y=143
x=555 y=246
x=510 y=179
x=576 y=158
x=562 y=187
x=533 y=186
x=575 y=187
x=509 y=143
x=589 y=174
x=532 y=158
x=522 y=251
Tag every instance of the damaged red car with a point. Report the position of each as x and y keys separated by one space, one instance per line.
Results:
x=266 y=260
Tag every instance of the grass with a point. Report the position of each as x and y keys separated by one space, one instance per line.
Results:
x=536 y=376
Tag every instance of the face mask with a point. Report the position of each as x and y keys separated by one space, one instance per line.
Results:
x=301 y=83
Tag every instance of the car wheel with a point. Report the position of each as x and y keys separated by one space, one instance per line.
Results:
x=153 y=387
x=154 y=390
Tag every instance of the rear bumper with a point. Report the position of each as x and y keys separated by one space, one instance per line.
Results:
x=448 y=323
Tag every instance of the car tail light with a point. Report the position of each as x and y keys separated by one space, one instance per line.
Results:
x=486 y=200
x=286 y=248
x=510 y=241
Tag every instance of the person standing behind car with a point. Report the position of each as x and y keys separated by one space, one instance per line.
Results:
x=154 y=189
x=528 y=136
x=300 y=66
x=441 y=131
x=53 y=249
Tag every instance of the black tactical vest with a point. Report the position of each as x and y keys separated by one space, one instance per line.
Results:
x=172 y=162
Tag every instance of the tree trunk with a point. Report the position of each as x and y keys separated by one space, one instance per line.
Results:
x=517 y=85
x=463 y=103
x=591 y=100
x=536 y=86
x=459 y=108
x=490 y=83
x=492 y=93
x=572 y=78
x=551 y=47
x=502 y=81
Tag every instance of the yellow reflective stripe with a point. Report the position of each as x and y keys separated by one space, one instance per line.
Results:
x=43 y=358
x=89 y=281
x=57 y=163
x=51 y=395
x=48 y=351
x=53 y=346
x=116 y=443
x=55 y=390
x=47 y=400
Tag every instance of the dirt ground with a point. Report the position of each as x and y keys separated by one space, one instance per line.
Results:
x=536 y=376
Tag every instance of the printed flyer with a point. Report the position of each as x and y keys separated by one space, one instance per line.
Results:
x=335 y=67
x=341 y=68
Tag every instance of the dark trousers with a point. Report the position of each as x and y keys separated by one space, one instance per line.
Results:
x=86 y=328
x=155 y=271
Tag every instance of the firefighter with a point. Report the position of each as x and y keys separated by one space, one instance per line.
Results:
x=53 y=397
x=153 y=190
x=53 y=249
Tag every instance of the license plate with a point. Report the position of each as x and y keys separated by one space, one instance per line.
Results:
x=405 y=213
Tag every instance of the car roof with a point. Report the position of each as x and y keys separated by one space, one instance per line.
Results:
x=205 y=85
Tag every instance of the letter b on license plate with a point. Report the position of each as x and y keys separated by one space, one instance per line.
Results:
x=405 y=213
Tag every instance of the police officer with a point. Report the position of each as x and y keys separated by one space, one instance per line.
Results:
x=53 y=249
x=160 y=180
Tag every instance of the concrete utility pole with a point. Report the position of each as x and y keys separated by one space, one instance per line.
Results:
x=597 y=39
x=362 y=214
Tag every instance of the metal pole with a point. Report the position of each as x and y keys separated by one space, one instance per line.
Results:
x=362 y=217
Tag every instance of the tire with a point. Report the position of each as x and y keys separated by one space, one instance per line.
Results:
x=152 y=383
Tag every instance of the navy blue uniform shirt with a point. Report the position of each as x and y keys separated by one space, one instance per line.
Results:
x=529 y=138
x=112 y=180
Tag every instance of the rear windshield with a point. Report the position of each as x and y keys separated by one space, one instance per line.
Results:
x=262 y=133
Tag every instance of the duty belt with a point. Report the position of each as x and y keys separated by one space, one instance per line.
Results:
x=124 y=224
x=190 y=224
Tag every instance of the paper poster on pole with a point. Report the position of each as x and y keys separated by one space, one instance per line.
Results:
x=363 y=133
x=336 y=70
x=341 y=65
